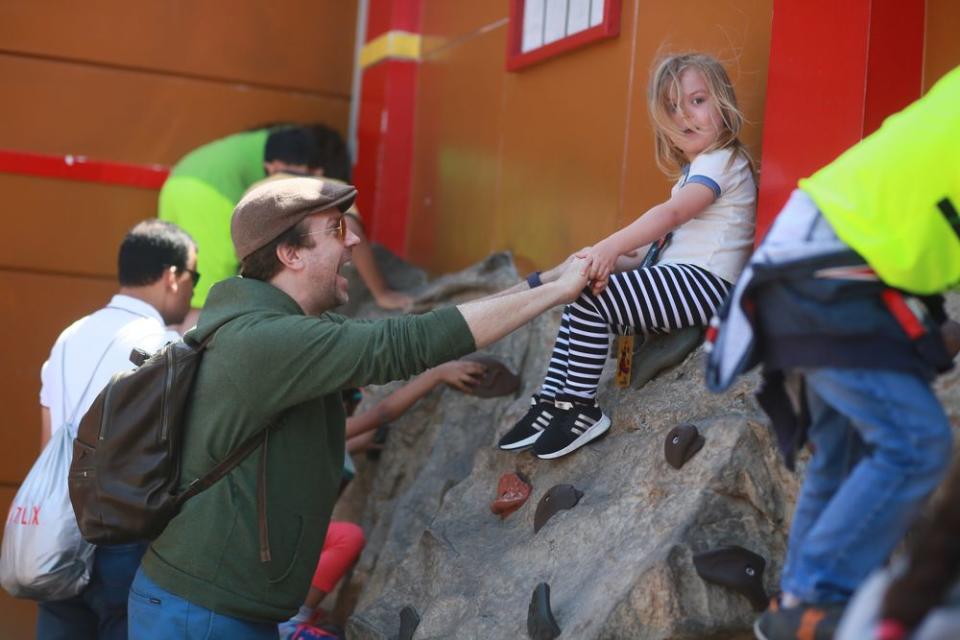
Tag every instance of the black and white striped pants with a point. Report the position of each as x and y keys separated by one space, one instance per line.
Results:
x=657 y=299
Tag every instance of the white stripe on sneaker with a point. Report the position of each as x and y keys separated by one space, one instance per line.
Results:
x=597 y=430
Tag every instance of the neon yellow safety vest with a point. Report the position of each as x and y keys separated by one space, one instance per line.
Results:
x=894 y=197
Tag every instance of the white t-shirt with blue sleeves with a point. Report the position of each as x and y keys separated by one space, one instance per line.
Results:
x=720 y=238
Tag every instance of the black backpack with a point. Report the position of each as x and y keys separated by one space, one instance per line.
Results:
x=126 y=456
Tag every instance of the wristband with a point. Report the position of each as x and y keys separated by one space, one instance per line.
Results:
x=534 y=280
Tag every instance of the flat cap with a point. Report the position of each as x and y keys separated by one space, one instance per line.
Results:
x=267 y=211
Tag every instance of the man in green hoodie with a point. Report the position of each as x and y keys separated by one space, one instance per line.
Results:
x=239 y=557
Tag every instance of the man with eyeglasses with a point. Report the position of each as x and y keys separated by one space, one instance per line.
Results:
x=239 y=557
x=156 y=269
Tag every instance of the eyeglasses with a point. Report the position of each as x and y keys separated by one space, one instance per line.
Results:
x=194 y=275
x=340 y=230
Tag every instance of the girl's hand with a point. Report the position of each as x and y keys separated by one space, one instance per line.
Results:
x=603 y=258
x=462 y=375
x=597 y=286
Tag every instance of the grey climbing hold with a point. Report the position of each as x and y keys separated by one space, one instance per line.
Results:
x=737 y=568
x=541 y=625
x=409 y=621
x=682 y=443
x=557 y=498
x=497 y=380
x=660 y=351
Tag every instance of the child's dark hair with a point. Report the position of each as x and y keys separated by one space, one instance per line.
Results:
x=934 y=562
x=665 y=92
x=148 y=249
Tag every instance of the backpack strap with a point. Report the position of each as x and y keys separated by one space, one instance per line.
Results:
x=225 y=466
x=86 y=389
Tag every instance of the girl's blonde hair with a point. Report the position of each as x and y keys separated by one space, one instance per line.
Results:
x=665 y=92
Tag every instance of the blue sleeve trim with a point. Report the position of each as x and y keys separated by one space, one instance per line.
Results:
x=707 y=182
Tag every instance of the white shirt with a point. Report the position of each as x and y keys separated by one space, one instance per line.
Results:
x=720 y=238
x=124 y=324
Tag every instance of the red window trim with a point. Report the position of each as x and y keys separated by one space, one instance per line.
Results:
x=516 y=59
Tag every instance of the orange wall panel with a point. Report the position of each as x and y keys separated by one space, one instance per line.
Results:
x=34 y=309
x=80 y=225
x=456 y=150
x=942 y=50
x=563 y=150
x=444 y=23
x=301 y=44
x=130 y=116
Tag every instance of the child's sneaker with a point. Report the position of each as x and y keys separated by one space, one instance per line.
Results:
x=803 y=622
x=530 y=427
x=576 y=424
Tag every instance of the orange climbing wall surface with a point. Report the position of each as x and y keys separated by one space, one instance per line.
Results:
x=143 y=83
x=559 y=154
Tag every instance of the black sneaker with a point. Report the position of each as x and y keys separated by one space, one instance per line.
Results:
x=576 y=425
x=803 y=622
x=530 y=427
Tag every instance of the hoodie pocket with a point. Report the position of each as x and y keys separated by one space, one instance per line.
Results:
x=286 y=537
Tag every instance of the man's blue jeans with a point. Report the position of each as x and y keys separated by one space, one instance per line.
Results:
x=157 y=614
x=100 y=611
x=881 y=444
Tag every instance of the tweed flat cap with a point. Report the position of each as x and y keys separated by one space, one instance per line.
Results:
x=270 y=209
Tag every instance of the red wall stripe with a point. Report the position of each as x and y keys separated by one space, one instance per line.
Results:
x=831 y=82
x=392 y=15
x=83 y=169
x=385 y=130
x=895 y=59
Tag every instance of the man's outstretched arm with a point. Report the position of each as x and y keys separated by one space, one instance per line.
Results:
x=493 y=317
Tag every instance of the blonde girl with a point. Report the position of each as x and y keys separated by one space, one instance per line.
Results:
x=705 y=230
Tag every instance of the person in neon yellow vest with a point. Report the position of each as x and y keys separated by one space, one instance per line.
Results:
x=840 y=303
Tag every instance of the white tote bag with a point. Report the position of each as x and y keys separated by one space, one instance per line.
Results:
x=43 y=556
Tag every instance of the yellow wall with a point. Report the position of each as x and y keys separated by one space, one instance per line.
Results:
x=140 y=82
x=557 y=155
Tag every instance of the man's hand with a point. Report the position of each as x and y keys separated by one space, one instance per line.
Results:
x=462 y=375
x=573 y=279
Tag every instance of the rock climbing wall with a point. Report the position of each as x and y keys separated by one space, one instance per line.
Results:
x=620 y=563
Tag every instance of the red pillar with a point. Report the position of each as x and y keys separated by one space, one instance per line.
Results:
x=385 y=120
x=837 y=69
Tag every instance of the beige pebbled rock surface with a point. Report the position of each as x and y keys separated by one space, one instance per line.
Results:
x=619 y=564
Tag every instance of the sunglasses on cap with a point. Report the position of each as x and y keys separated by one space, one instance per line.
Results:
x=340 y=229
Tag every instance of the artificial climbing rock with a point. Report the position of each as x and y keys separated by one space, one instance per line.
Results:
x=620 y=565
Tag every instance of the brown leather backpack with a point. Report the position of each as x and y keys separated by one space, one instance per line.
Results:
x=126 y=456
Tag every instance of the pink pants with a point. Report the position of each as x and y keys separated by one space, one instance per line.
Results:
x=341 y=548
